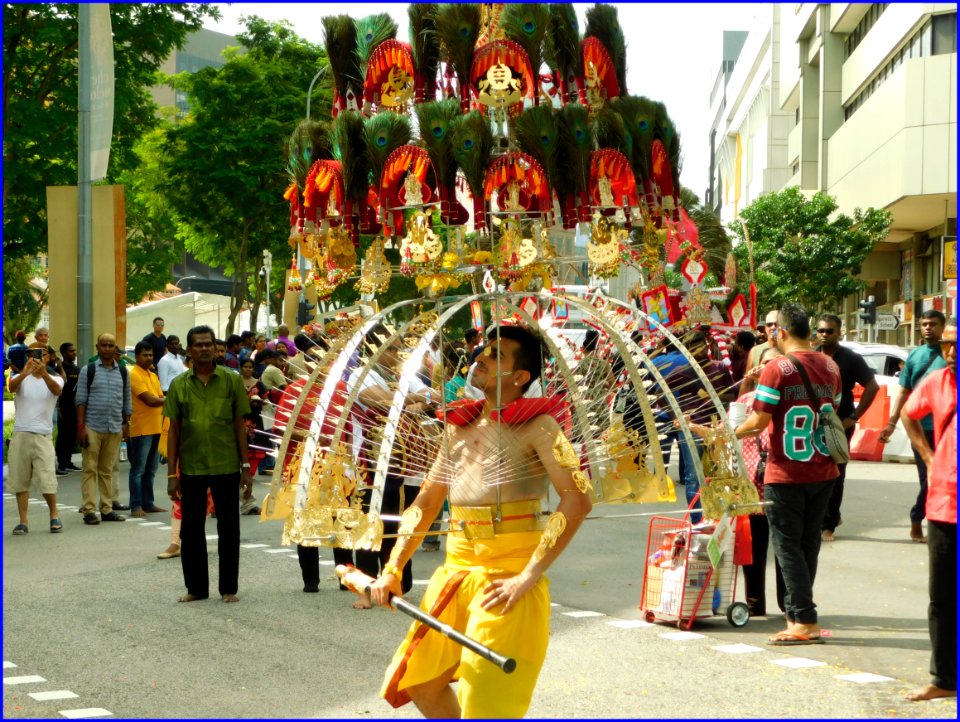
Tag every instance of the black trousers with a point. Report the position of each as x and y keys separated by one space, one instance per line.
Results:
x=942 y=612
x=919 y=510
x=66 y=435
x=796 y=519
x=225 y=490
x=755 y=574
x=309 y=558
x=370 y=562
x=831 y=519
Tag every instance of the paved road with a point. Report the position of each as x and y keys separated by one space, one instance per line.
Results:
x=90 y=618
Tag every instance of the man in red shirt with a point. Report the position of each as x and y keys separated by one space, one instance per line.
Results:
x=937 y=395
x=800 y=471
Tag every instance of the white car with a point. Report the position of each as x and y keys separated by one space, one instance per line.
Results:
x=886 y=361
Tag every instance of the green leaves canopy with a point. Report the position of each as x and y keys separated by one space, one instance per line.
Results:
x=803 y=250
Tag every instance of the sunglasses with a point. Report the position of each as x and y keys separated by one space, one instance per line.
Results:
x=826 y=331
x=948 y=344
x=771 y=324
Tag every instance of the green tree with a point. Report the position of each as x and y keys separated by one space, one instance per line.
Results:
x=22 y=301
x=803 y=250
x=40 y=47
x=151 y=228
x=224 y=164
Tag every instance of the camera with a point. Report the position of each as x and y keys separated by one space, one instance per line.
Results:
x=36 y=353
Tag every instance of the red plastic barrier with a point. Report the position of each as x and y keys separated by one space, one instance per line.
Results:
x=865 y=444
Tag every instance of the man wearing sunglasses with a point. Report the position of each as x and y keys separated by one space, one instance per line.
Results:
x=770 y=324
x=922 y=361
x=853 y=370
x=936 y=397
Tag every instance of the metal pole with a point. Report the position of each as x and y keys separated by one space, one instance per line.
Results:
x=310 y=89
x=84 y=195
x=943 y=260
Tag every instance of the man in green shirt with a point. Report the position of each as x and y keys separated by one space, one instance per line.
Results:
x=921 y=361
x=207 y=443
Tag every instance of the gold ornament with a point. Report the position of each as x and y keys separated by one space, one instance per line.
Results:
x=603 y=249
x=564 y=452
x=397 y=90
x=556 y=523
x=409 y=520
x=375 y=276
x=582 y=482
x=625 y=477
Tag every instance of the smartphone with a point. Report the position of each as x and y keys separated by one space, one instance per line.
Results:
x=36 y=353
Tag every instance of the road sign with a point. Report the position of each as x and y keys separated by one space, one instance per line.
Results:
x=952 y=288
x=887 y=322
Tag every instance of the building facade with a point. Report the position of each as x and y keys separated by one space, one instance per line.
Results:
x=858 y=101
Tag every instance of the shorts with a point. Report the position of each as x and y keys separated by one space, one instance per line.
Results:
x=32 y=461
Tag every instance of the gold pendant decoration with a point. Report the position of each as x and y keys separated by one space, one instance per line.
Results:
x=564 y=452
x=498 y=90
x=603 y=249
x=606 y=191
x=698 y=306
x=397 y=90
x=412 y=191
x=375 y=276
x=420 y=249
x=556 y=524
x=724 y=490
x=625 y=478
x=582 y=482
x=341 y=252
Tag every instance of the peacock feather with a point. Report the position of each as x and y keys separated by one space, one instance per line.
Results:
x=350 y=149
x=458 y=26
x=536 y=132
x=435 y=121
x=384 y=133
x=526 y=24
x=562 y=42
x=576 y=144
x=309 y=142
x=340 y=42
x=371 y=31
x=472 y=142
x=604 y=25
x=639 y=118
x=611 y=131
x=424 y=43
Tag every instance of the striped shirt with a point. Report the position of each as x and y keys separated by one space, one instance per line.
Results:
x=109 y=402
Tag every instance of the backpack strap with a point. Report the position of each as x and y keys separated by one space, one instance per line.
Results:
x=92 y=369
x=806 y=382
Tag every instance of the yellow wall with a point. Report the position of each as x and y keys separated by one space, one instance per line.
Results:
x=109 y=263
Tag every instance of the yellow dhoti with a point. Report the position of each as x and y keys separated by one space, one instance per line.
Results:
x=425 y=655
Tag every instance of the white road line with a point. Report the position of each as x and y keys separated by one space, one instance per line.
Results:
x=83 y=713
x=682 y=636
x=864 y=678
x=151 y=523
x=629 y=624
x=798 y=662
x=421 y=582
x=554 y=604
x=277 y=551
x=210 y=537
x=56 y=694
x=165 y=527
x=254 y=546
x=582 y=614
x=738 y=648
x=26 y=679
x=324 y=562
x=8 y=665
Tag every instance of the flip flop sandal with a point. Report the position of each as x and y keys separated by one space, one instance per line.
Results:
x=56 y=526
x=20 y=530
x=785 y=639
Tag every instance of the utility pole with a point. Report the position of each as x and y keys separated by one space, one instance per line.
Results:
x=84 y=196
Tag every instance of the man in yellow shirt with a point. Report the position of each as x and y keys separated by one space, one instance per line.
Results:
x=144 y=431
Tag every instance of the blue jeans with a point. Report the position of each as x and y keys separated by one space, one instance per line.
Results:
x=143 y=457
x=688 y=472
x=795 y=515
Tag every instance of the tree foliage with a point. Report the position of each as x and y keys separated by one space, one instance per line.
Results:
x=40 y=49
x=803 y=250
x=224 y=164
x=22 y=301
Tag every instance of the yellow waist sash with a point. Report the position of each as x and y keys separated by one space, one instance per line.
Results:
x=481 y=522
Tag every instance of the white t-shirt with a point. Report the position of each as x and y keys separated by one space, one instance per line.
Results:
x=34 y=404
x=168 y=368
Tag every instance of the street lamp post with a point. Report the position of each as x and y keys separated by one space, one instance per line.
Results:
x=310 y=89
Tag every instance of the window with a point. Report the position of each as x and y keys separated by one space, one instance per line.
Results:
x=863 y=27
x=944 y=31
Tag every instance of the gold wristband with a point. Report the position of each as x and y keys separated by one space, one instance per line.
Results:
x=391 y=568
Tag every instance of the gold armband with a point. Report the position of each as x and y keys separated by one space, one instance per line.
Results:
x=391 y=568
x=409 y=520
x=556 y=523
x=564 y=452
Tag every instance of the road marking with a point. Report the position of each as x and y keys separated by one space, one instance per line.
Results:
x=8 y=665
x=554 y=604
x=864 y=678
x=277 y=551
x=798 y=662
x=56 y=694
x=151 y=523
x=738 y=648
x=681 y=636
x=166 y=527
x=27 y=679
x=88 y=712
x=324 y=562
x=582 y=614
x=421 y=582
x=210 y=537
x=254 y=546
x=629 y=624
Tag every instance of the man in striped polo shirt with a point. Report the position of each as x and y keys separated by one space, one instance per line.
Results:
x=800 y=472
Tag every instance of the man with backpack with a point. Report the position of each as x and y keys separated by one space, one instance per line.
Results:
x=104 y=407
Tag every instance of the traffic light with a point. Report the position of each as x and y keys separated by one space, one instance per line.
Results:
x=305 y=313
x=868 y=311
